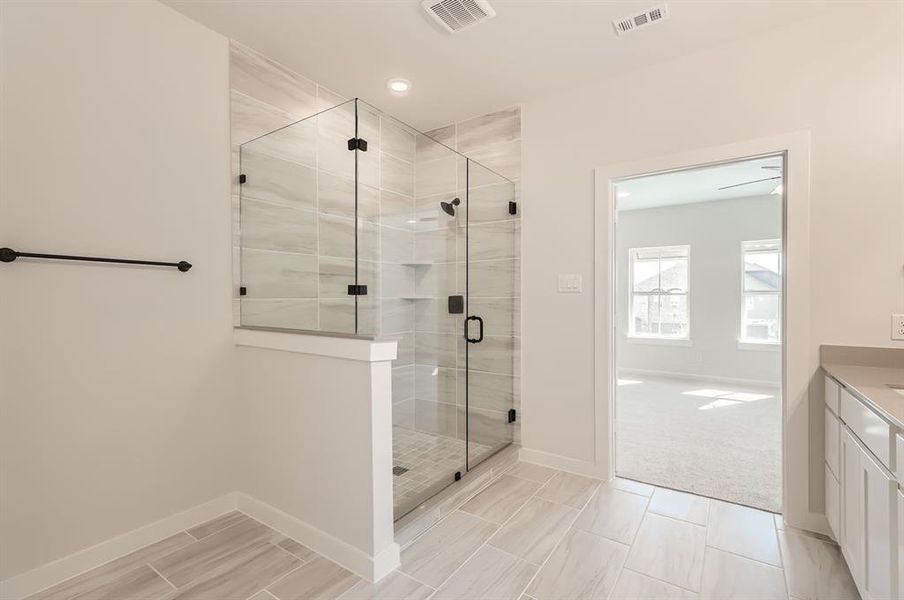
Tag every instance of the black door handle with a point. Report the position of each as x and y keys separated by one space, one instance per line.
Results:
x=480 y=322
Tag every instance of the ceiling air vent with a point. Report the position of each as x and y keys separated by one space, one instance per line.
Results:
x=641 y=19
x=455 y=15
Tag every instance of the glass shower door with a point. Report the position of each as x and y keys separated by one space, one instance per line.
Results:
x=491 y=341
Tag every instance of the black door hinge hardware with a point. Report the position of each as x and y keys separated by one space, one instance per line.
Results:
x=243 y=291
x=456 y=305
x=513 y=208
x=457 y=475
x=512 y=415
x=357 y=290
x=243 y=178
x=357 y=144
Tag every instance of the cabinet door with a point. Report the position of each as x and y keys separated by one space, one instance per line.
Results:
x=879 y=503
x=852 y=522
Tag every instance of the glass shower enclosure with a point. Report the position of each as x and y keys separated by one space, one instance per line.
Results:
x=353 y=223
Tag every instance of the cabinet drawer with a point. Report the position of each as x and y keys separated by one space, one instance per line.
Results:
x=832 y=450
x=831 y=397
x=872 y=430
x=833 y=504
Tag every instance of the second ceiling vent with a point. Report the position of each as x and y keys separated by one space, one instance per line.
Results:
x=641 y=19
x=455 y=15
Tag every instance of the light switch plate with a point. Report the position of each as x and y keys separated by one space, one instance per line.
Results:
x=570 y=283
x=897 y=327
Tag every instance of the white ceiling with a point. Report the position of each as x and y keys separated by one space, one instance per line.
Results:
x=529 y=49
x=700 y=185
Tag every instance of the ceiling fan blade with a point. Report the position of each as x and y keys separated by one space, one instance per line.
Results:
x=734 y=185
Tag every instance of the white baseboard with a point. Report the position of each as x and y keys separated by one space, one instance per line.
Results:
x=695 y=377
x=45 y=576
x=372 y=568
x=565 y=463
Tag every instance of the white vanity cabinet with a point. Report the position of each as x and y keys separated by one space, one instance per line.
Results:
x=866 y=513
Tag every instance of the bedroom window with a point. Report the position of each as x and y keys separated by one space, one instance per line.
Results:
x=658 y=305
x=761 y=302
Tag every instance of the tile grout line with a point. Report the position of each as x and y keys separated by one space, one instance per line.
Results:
x=159 y=574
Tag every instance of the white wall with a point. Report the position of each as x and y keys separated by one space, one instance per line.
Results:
x=714 y=231
x=839 y=75
x=117 y=402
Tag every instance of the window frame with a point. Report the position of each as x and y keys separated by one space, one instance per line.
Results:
x=631 y=334
x=744 y=342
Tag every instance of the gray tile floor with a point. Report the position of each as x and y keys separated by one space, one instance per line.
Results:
x=431 y=462
x=531 y=533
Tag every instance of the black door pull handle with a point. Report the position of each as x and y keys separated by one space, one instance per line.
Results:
x=480 y=322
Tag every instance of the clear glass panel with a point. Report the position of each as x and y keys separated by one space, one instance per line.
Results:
x=492 y=235
x=421 y=205
x=762 y=317
x=299 y=180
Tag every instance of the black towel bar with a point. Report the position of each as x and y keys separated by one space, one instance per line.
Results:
x=9 y=255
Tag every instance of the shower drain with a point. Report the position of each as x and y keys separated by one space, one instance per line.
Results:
x=399 y=470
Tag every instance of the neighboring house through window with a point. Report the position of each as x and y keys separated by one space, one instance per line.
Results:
x=659 y=292
x=761 y=304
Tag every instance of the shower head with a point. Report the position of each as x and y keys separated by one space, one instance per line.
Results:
x=449 y=207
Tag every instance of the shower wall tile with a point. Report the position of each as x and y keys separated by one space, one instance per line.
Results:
x=495 y=278
x=278 y=181
x=437 y=384
x=259 y=77
x=333 y=155
x=504 y=159
x=438 y=245
x=397 y=315
x=432 y=316
x=488 y=130
x=396 y=210
x=436 y=418
x=435 y=349
x=442 y=135
x=501 y=315
x=272 y=227
x=489 y=241
x=438 y=175
x=429 y=215
x=490 y=202
x=337 y=238
x=397 y=245
x=336 y=274
x=440 y=279
x=336 y=196
x=489 y=391
x=279 y=274
x=402 y=383
x=285 y=313
x=398 y=282
x=327 y=98
x=405 y=351
x=403 y=414
x=338 y=314
x=495 y=354
x=397 y=139
x=295 y=143
x=488 y=427
x=250 y=118
x=396 y=175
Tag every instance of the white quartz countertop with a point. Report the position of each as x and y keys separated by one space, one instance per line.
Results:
x=871 y=384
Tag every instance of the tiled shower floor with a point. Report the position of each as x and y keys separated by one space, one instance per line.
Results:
x=430 y=460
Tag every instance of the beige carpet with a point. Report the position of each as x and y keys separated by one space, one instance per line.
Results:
x=711 y=439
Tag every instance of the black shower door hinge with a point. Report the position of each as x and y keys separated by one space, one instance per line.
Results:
x=243 y=291
x=242 y=178
x=512 y=415
x=357 y=144
x=513 y=208
x=357 y=290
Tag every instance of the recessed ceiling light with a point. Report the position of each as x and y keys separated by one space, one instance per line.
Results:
x=399 y=86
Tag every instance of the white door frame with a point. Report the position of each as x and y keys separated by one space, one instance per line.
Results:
x=799 y=357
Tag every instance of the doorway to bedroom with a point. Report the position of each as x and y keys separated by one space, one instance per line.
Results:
x=699 y=319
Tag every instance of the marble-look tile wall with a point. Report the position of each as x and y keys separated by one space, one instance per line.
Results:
x=494 y=253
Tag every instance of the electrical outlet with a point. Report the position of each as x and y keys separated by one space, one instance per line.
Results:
x=897 y=327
